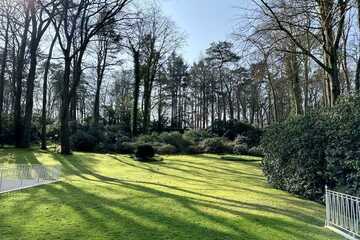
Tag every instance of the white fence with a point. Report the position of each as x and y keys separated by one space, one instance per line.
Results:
x=343 y=214
x=20 y=176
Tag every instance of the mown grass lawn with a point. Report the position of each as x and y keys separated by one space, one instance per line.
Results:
x=184 y=197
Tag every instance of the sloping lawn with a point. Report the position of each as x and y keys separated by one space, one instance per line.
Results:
x=184 y=197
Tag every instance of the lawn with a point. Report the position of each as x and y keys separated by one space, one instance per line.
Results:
x=184 y=197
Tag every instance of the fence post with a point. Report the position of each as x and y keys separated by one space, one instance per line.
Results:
x=21 y=175
x=327 y=207
x=38 y=173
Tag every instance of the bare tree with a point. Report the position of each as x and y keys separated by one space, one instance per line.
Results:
x=41 y=14
x=161 y=38
x=80 y=23
x=134 y=40
x=45 y=95
x=6 y=7
x=331 y=17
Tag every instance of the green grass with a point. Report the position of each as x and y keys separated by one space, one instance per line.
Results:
x=184 y=197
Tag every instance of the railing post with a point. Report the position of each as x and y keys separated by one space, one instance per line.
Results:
x=38 y=173
x=21 y=175
x=327 y=207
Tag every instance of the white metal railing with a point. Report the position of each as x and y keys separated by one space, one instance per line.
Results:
x=343 y=214
x=19 y=176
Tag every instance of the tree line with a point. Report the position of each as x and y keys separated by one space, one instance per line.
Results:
x=309 y=52
x=68 y=63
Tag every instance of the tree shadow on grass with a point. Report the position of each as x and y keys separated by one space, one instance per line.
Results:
x=134 y=216
x=129 y=219
x=83 y=169
x=194 y=170
x=14 y=155
x=215 y=181
x=218 y=170
x=148 y=167
x=121 y=219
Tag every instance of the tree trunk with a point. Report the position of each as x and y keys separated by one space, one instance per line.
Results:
x=34 y=43
x=334 y=78
x=160 y=107
x=292 y=68
x=148 y=84
x=73 y=98
x=73 y=112
x=64 y=128
x=238 y=105
x=357 y=77
x=96 y=114
x=306 y=83
x=344 y=63
x=204 y=107
x=44 y=100
x=231 y=103
x=147 y=106
x=64 y=109
x=212 y=105
x=137 y=75
x=231 y=108
x=19 y=77
x=2 y=78
x=13 y=75
x=102 y=58
x=331 y=46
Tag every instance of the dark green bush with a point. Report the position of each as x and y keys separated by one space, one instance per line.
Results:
x=148 y=138
x=98 y=132
x=231 y=129
x=295 y=156
x=215 y=145
x=304 y=154
x=175 y=139
x=256 y=151
x=82 y=141
x=144 y=152
x=105 y=148
x=113 y=135
x=196 y=136
x=195 y=149
x=343 y=149
x=241 y=140
x=166 y=149
x=125 y=148
x=242 y=149
x=7 y=136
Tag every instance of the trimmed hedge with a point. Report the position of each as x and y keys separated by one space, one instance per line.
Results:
x=304 y=154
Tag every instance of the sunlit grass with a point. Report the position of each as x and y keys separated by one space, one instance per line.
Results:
x=182 y=197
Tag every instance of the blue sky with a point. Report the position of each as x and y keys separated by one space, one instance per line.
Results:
x=204 y=21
